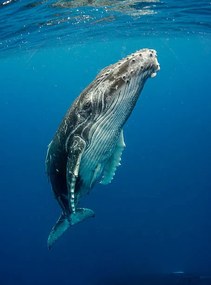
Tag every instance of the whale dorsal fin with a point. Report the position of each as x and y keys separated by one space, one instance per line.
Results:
x=114 y=161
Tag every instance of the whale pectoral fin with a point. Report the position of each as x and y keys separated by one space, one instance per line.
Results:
x=65 y=222
x=114 y=161
x=73 y=165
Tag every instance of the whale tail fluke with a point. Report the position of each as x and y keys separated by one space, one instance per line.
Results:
x=64 y=222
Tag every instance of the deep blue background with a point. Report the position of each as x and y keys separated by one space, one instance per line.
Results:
x=155 y=216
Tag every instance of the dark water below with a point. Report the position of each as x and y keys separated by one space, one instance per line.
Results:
x=154 y=218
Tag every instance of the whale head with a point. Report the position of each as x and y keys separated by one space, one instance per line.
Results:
x=121 y=83
x=139 y=65
x=124 y=79
x=111 y=97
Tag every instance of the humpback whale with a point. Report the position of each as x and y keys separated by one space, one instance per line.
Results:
x=89 y=142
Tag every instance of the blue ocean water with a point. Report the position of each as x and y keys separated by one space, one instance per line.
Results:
x=154 y=218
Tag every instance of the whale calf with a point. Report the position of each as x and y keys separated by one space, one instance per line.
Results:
x=88 y=144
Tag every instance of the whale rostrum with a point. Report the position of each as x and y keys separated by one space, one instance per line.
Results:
x=89 y=142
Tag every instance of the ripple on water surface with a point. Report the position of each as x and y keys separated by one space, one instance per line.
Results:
x=37 y=24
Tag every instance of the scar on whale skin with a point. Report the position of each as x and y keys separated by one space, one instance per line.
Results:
x=89 y=142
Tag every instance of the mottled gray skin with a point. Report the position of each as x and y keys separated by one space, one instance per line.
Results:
x=89 y=133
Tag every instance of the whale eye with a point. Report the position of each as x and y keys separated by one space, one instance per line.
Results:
x=85 y=110
x=108 y=99
x=86 y=105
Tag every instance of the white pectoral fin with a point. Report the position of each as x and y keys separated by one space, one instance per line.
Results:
x=114 y=161
x=73 y=165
